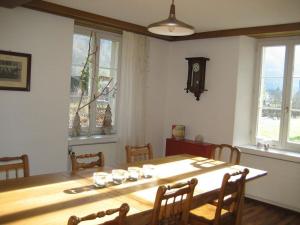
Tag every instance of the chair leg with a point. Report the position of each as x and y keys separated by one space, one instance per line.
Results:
x=240 y=212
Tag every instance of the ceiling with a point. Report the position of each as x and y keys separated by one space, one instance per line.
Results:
x=204 y=15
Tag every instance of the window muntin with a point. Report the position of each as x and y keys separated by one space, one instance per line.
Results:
x=103 y=65
x=278 y=115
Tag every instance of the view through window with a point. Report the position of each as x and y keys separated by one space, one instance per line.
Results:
x=103 y=66
x=279 y=100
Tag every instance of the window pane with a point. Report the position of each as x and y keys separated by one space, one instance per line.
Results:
x=108 y=67
x=296 y=93
x=108 y=97
x=80 y=49
x=83 y=113
x=272 y=92
x=273 y=61
x=80 y=52
x=272 y=75
x=294 y=126
x=269 y=124
x=75 y=83
x=105 y=53
x=297 y=61
x=108 y=54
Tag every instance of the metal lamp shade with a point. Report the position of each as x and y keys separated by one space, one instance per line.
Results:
x=171 y=26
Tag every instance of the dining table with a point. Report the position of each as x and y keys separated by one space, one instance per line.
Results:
x=52 y=198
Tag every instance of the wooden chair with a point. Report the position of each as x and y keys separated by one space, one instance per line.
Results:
x=223 y=152
x=220 y=152
x=119 y=220
x=76 y=165
x=209 y=214
x=172 y=203
x=7 y=167
x=138 y=153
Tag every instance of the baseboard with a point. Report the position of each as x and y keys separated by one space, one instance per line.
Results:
x=270 y=202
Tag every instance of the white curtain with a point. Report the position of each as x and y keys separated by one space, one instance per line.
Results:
x=131 y=112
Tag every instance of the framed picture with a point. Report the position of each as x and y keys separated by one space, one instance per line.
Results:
x=15 y=71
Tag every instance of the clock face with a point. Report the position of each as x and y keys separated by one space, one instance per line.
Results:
x=196 y=67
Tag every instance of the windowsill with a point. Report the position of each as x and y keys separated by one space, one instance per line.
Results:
x=94 y=139
x=285 y=155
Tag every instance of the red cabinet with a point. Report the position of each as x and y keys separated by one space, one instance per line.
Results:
x=176 y=147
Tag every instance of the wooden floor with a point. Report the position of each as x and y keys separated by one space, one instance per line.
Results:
x=258 y=213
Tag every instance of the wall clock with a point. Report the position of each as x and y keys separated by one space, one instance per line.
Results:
x=196 y=76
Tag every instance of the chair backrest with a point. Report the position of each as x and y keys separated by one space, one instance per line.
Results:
x=119 y=220
x=234 y=185
x=76 y=165
x=172 y=203
x=220 y=152
x=8 y=164
x=138 y=153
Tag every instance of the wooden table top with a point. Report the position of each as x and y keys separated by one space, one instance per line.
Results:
x=53 y=198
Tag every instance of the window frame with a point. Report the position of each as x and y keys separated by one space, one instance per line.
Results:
x=289 y=44
x=92 y=129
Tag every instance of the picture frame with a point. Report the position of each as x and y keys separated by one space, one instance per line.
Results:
x=15 y=71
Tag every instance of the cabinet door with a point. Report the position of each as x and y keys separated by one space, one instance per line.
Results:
x=175 y=147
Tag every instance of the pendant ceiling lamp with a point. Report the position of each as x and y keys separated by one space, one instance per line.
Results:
x=171 y=26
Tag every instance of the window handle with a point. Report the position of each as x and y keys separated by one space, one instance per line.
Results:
x=287 y=109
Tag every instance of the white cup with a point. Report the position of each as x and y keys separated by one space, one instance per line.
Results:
x=148 y=170
x=134 y=173
x=119 y=176
x=100 y=179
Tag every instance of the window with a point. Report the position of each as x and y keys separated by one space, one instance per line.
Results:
x=278 y=111
x=104 y=66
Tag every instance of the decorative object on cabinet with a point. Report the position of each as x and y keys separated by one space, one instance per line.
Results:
x=196 y=75
x=15 y=71
x=199 y=138
x=177 y=147
x=178 y=132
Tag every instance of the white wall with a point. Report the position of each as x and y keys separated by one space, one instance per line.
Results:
x=156 y=94
x=244 y=91
x=213 y=115
x=35 y=122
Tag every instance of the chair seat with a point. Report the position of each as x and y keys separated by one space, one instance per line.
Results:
x=206 y=214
